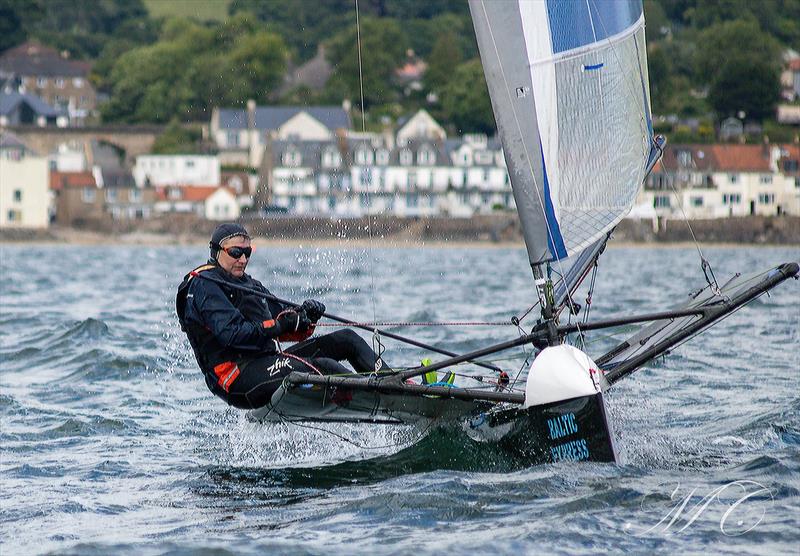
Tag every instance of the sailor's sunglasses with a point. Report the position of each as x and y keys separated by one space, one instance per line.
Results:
x=237 y=252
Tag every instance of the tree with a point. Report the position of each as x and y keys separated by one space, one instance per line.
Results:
x=176 y=139
x=661 y=79
x=383 y=46
x=444 y=57
x=745 y=83
x=193 y=68
x=465 y=100
x=722 y=41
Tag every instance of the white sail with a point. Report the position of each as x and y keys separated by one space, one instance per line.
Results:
x=569 y=89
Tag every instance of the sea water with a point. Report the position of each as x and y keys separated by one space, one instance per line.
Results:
x=111 y=442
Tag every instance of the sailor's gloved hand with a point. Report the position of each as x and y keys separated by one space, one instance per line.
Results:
x=314 y=309
x=293 y=321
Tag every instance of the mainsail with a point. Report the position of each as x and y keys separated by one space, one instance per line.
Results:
x=569 y=89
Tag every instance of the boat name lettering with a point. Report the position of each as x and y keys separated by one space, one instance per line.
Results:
x=561 y=426
x=574 y=450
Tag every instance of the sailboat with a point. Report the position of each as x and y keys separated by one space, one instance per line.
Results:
x=569 y=89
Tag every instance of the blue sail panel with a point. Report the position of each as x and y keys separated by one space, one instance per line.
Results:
x=577 y=23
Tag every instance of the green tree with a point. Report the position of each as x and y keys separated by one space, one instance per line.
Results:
x=747 y=84
x=722 y=41
x=445 y=56
x=176 y=139
x=193 y=68
x=465 y=100
x=661 y=79
x=383 y=46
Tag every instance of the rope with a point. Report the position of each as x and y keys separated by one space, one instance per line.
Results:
x=456 y=323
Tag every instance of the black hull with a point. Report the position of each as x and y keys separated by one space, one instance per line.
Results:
x=571 y=430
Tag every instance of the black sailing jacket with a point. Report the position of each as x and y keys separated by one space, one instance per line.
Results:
x=226 y=326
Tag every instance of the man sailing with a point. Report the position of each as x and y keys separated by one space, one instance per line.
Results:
x=235 y=330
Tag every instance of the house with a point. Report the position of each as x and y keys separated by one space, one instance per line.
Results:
x=410 y=73
x=211 y=202
x=313 y=74
x=421 y=125
x=24 y=194
x=52 y=76
x=242 y=135
x=370 y=174
x=98 y=198
x=25 y=109
x=176 y=169
x=720 y=180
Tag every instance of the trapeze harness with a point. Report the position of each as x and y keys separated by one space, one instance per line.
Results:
x=236 y=339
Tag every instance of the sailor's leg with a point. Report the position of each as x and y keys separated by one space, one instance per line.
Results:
x=259 y=378
x=342 y=345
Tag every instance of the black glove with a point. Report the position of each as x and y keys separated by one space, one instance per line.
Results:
x=313 y=308
x=293 y=321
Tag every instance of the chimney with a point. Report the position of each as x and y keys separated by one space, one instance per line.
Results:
x=251 y=114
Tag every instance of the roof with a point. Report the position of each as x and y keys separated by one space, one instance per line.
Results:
x=741 y=158
x=10 y=101
x=70 y=180
x=272 y=117
x=10 y=141
x=31 y=58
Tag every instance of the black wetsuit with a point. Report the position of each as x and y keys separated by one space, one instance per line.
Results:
x=235 y=338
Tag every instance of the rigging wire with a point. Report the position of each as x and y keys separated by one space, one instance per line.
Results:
x=708 y=271
x=377 y=345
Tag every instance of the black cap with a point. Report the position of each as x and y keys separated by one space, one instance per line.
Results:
x=223 y=232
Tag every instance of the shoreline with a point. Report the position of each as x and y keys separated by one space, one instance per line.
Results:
x=70 y=236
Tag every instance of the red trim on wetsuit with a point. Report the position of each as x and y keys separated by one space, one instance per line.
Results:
x=226 y=373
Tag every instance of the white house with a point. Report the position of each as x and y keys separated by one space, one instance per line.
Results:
x=24 y=185
x=242 y=135
x=211 y=202
x=179 y=169
x=421 y=126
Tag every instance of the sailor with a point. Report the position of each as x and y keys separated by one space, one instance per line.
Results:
x=236 y=334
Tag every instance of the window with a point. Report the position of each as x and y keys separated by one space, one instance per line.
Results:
x=134 y=195
x=483 y=157
x=190 y=163
x=733 y=178
x=60 y=82
x=684 y=158
x=111 y=195
x=88 y=195
x=412 y=200
x=331 y=159
x=232 y=139
x=731 y=198
x=766 y=198
x=291 y=158
x=41 y=82
x=363 y=156
x=77 y=82
x=696 y=201
x=661 y=201
x=14 y=215
x=17 y=195
x=174 y=194
x=797 y=181
x=425 y=157
x=406 y=158
x=382 y=157
x=765 y=179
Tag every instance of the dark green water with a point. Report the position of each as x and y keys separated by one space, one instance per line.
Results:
x=112 y=444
